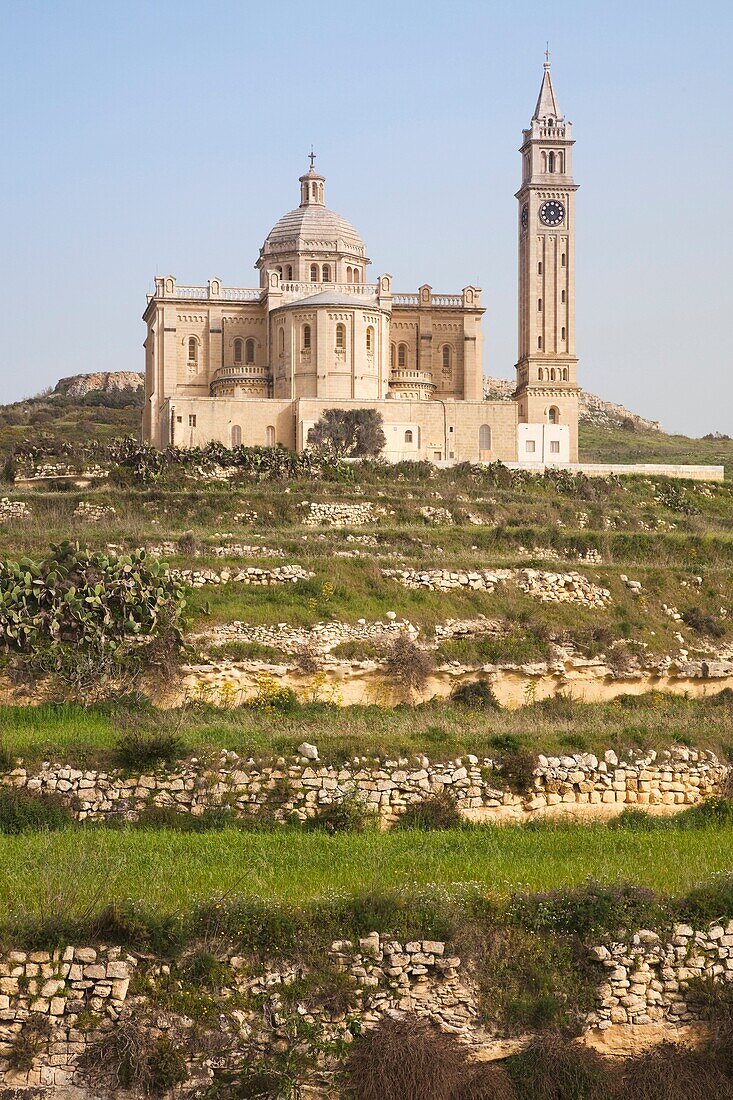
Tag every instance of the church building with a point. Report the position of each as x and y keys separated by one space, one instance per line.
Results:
x=258 y=366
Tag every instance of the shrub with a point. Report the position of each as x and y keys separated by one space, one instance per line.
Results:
x=698 y=620
x=553 y=1069
x=272 y=697
x=138 y=751
x=551 y=988
x=487 y=1081
x=406 y=1059
x=517 y=771
x=23 y=811
x=671 y=1073
x=349 y=814
x=408 y=665
x=437 y=811
x=27 y=1044
x=131 y=1057
x=636 y=821
x=717 y=812
x=204 y=970
x=187 y=543
x=475 y=695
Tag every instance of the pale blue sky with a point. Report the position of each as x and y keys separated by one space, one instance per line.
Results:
x=168 y=137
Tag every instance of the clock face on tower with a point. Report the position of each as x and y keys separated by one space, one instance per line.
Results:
x=552 y=212
x=525 y=216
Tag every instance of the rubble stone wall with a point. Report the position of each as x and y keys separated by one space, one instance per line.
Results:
x=67 y=1001
x=677 y=778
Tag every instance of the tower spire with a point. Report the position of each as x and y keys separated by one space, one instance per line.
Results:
x=547 y=105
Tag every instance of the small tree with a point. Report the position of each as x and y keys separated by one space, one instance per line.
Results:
x=354 y=433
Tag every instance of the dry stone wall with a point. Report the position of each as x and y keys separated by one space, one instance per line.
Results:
x=251 y=574
x=69 y=1001
x=341 y=514
x=546 y=586
x=648 y=978
x=678 y=778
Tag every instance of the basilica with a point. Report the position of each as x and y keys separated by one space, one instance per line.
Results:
x=258 y=365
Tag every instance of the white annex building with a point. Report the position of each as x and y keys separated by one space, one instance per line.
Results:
x=258 y=366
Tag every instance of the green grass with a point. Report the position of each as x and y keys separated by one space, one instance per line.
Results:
x=87 y=735
x=601 y=444
x=79 y=871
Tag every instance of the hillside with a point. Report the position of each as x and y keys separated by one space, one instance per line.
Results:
x=299 y=757
x=88 y=411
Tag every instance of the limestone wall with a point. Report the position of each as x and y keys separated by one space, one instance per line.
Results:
x=578 y=783
x=59 y=1007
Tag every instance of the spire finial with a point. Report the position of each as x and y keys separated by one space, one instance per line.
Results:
x=312 y=157
x=547 y=55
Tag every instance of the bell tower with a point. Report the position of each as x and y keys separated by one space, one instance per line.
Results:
x=547 y=387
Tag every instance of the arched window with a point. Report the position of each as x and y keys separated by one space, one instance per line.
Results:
x=269 y=436
x=279 y=271
x=326 y=273
x=289 y=272
x=314 y=191
x=193 y=349
x=446 y=357
x=544 y=162
x=553 y=416
x=236 y=435
x=340 y=336
x=357 y=275
x=370 y=338
x=408 y=436
x=551 y=162
x=484 y=438
x=281 y=340
x=349 y=275
x=539 y=305
x=392 y=356
x=306 y=336
x=552 y=375
x=539 y=268
x=237 y=351
x=562 y=331
x=565 y=374
x=249 y=351
x=402 y=355
x=314 y=273
x=539 y=343
x=562 y=295
x=563 y=260
x=559 y=162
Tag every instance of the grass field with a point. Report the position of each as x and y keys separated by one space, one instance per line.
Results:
x=605 y=444
x=87 y=736
x=80 y=871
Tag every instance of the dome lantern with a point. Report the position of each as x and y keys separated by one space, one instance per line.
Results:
x=312 y=185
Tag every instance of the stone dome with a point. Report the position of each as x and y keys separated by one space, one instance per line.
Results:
x=313 y=229
x=313 y=225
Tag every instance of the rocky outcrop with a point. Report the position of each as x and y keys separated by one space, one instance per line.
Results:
x=592 y=409
x=79 y=385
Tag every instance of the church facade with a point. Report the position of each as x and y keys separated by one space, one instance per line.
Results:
x=258 y=366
